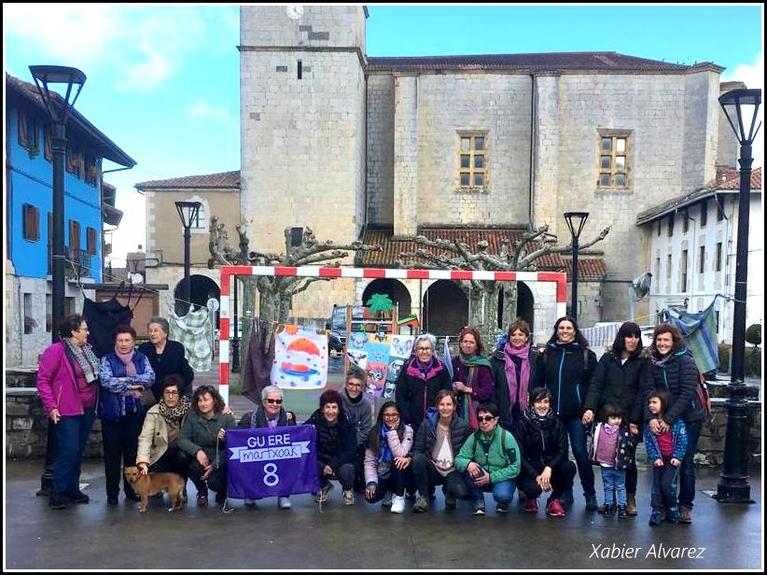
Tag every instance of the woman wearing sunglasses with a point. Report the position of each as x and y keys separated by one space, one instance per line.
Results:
x=269 y=414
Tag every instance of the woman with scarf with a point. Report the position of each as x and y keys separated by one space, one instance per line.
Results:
x=545 y=465
x=67 y=383
x=158 y=443
x=419 y=381
x=125 y=374
x=617 y=380
x=672 y=368
x=513 y=364
x=472 y=376
x=167 y=357
x=387 y=457
x=565 y=369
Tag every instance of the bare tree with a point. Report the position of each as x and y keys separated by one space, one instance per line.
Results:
x=521 y=255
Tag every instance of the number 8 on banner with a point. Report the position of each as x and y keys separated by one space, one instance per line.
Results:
x=270 y=475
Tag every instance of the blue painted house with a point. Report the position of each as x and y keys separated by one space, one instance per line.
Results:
x=88 y=205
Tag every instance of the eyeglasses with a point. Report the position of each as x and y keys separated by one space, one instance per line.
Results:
x=277 y=401
x=485 y=418
x=170 y=392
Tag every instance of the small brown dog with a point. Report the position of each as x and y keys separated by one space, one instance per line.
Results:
x=155 y=484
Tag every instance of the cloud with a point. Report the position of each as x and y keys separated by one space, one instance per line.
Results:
x=753 y=76
x=201 y=109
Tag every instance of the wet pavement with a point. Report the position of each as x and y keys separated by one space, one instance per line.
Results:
x=97 y=536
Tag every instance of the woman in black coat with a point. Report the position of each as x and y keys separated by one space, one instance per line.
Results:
x=617 y=380
x=672 y=368
x=166 y=357
x=514 y=363
x=565 y=369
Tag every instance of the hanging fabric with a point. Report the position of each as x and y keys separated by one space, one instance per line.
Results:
x=194 y=332
x=259 y=359
x=103 y=317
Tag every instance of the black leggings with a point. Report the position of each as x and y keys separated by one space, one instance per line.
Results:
x=561 y=480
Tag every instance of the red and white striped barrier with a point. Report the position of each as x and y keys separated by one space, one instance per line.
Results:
x=360 y=273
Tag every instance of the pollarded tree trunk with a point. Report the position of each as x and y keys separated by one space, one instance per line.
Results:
x=510 y=296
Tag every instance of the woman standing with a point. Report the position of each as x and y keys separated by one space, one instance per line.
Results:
x=617 y=381
x=472 y=376
x=387 y=457
x=672 y=368
x=565 y=369
x=419 y=381
x=167 y=357
x=125 y=374
x=203 y=437
x=67 y=383
x=514 y=363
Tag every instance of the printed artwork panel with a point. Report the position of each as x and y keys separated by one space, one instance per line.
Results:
x=300 y=359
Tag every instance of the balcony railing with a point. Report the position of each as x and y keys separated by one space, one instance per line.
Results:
x=79 y=263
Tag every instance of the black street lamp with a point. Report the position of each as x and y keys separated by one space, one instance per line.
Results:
x=575 y=222
x=733 y=484
x=188 y=211
x=58 y=108
x=236 y=338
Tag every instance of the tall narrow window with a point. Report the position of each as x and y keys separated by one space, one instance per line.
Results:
x=685 y=222
x=660 y=225
x=702 y=264
x=613 y=160
x=657 y=268
x=90 y=239
x=718 y=265
x=671 y=224
x=668 y=273
x=300 y=69
x=74 y=240
x=719 y=210
x=29 y=320
x=31 y=223
x=472 y=162
x=683 y=271
x=703 y=212
x=296 y=235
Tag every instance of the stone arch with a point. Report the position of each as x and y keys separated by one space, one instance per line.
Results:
x=396 y=291
x=446 y=308
x=525 y=305
x=203 y=288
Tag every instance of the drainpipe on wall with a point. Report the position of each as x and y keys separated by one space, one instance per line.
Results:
x=533 y=110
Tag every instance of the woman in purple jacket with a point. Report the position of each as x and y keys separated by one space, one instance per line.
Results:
x=472 y=376
x=68 y=385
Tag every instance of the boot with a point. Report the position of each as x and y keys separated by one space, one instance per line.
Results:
x=631 y=505
x=611 y=509
x=622 y=511
x=685 y=514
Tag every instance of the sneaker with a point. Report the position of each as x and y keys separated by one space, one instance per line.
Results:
x=450 y=501
x=57 y=502
x=531 y=505
x=591 y=502
x=202 y=500
x=673 y=515
x=479 y=508
x=622 y=512
x=421 y=504
x=324 y=493
x=685 y=514
x=387 y=499
x=348 y=497
x=602 y=508
x=655 y=518
x=502 y=508
x=631 y=505
x=79 y=497
x=398 y=504
x=610 y=510
x=250 y=502
x=284 y=503
x=555 y=509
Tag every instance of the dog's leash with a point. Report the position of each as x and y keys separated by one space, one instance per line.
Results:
x=225 y=507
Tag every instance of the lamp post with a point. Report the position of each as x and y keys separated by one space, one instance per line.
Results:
x=236 y=338
x=58 y=109
x=575 y=222
x=733 y=484
x=188 y=212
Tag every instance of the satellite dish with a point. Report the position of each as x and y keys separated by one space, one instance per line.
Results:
x=640 y=286
x=136 y=278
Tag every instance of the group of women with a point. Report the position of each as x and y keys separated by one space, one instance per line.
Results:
x=497 y=423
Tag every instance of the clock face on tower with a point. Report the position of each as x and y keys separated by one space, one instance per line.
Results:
x=294 y=11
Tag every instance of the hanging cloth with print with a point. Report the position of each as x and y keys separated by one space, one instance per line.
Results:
x=259 y=360
x=194 y=332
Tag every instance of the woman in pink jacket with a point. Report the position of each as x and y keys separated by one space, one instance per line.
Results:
x=68 y=384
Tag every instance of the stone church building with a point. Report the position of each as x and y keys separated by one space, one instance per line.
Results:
x=464 y=147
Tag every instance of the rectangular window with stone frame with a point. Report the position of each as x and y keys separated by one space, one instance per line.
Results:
x=614 y=158
x=472 y=172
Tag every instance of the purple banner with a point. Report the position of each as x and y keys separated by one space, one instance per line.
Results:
x=267 y=462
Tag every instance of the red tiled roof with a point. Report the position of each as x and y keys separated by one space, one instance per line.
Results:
x=588 y=268
x=220 y=180
x=729 y=178
x=552 y=61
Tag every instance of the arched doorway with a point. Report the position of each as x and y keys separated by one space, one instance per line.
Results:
x=525 y=308
x=396 y=291
x=446 y=308
x=203 y=289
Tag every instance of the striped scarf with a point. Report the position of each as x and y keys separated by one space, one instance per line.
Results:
x=85 y=358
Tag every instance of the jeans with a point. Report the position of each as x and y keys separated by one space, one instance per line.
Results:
x=577 y=433
x=664 y=484
x=503 y=492
x=71 y=433
x=561 y=480
x=687 y=469
x=120 y=449
x=344 y=474
x=426 y=477
x=394 y=482
x=614 y=482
